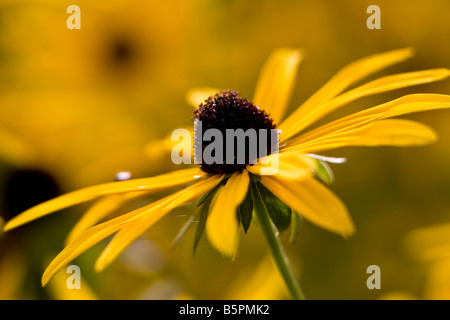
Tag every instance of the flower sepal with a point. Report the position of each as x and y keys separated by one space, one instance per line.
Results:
x=279 y=213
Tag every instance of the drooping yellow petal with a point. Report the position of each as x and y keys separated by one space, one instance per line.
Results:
x=383 y=84
x=99 y=210
x=99 y=232
x=343 y=79
x=314 y=202
x=136 y=228
x=152 y=184
x=276 y=81
x=390 y=132
x=293 y=166
x=197 y=96
x=222 y=226
x=86 y=240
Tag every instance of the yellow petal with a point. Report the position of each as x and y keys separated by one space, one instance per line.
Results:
x=376 y=86
x=343 y=79
x=197 y=96
x=134 y=229
x=416 y=103
x=152 y=184
x=334 y=127
x=404 y=105
x=276 y=81
x=407 y=104
x=86 y=240
x=222 y=226
x=314 y=202
x=99 y=210
x=293 y=166
x=394 y=132
x=99 y=232
x=390 y=132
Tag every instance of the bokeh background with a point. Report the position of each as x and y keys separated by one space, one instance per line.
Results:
x=78 y=106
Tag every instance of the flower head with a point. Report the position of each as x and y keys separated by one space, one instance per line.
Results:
x=230 y=193
x=225 y=111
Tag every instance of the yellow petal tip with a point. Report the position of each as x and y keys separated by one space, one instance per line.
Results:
x=44 y=281
x=8 y=226
x=408 y=52
x=101 y=263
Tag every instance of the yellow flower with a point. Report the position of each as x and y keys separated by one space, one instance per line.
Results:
x=430 y=245
x=294 y=186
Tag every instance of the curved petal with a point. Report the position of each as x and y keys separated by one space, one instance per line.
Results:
x=99 y=232
x=134 y=229
x=99 y=210
x=390 y=132
x=331 y=128
x=86 y=240
x=383 y=84
x=292 y=166
x=314 y=202
x=152 y=184
x=222 y=226
x=415 y=103
x=276 y=81
x=343 y=79
x=404 y=105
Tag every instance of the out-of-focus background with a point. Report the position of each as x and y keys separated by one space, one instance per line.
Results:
x=78 y=106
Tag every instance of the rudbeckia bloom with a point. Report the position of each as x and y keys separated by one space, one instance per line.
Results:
x=230 y=194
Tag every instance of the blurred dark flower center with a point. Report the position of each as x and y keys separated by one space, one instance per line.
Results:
x=26 y=188
x=226 y=110
x=122 y=51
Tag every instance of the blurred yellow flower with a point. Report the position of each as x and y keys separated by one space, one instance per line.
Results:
x=247 y=188
x=61 y=87
x=431 y=246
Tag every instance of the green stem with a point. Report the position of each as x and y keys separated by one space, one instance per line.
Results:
x=275 y=246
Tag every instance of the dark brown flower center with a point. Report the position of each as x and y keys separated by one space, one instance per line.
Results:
x=225 y=112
